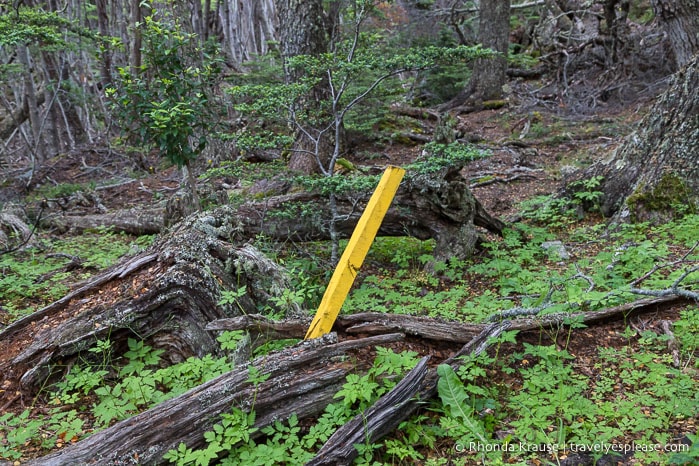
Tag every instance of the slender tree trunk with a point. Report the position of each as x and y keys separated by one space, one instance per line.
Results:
x=65 y=122
x=18 y=116
x=615 y=15
x=206 y=16
x=30 y=97
x=136 y=43
x=302 y=32
x=106 y=55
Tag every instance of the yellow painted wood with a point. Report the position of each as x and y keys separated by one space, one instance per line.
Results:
x=355 y=252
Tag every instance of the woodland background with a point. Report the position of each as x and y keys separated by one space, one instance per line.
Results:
x=178 y=180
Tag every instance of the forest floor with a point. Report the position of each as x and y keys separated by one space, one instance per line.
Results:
x=533 y=153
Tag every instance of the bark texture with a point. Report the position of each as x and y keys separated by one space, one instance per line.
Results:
x=248 y=28
x=165 y=295
x=656 y=170
x=493 y=33
x=18 y=116
x=437 y=205
x=489 y=74
x=301 y=381
x=680 y=20
x=302 y=31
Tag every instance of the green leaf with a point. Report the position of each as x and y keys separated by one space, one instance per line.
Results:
x=453 y=395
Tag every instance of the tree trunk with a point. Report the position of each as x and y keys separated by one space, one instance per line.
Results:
x=106 y=52
x=250 y=27
x=302 y=32
x=438 y=206
x=18 y=116
x=615 y=16
x=489 y=74
x=32 y=104
x=136 y=43
x=654 y=174
x=301 y=381
x=680 y=20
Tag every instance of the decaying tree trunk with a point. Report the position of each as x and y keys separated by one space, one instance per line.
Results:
x=438 y=205
x=426 y=206
x=655 y=171
x=165 y=295
x=397 y=405
x=139 y=221
x=263 y=329
x=301 y=381
x=425 y=328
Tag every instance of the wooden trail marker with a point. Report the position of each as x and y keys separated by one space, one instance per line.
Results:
x=355 y=252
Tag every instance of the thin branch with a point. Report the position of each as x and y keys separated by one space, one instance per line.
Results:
x=520 y=311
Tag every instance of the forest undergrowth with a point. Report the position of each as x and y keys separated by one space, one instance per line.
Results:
x=625 y=391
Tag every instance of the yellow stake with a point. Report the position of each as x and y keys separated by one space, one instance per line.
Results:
x=355 y=252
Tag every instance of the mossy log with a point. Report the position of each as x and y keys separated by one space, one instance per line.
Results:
x=437 y=206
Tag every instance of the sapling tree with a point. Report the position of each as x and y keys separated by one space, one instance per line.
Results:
x=353 y=70
x=166 y=103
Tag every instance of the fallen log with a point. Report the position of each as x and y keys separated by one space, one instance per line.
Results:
x=365 y=323
x=264 y=329
x=300 y=380
x=143 y=221
x=436 y=206
x=165 y=296
x=397 y=405
x=376 y=422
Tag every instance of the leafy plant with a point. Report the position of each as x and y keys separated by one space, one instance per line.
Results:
x=167 y=102
x=34 y=276
x=285 y=442
x=453 y=395
x=438 y=156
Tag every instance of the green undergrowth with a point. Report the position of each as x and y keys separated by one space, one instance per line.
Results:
x=525 y=269
x=43 y=272
x=287 y=442
x=518 y=403
x=102 y=389
x=535 y=404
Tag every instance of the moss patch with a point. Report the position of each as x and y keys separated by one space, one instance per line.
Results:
x=668 y=199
